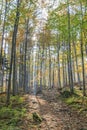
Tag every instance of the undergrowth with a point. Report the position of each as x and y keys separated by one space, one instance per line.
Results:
x=75 y=100
x=11 y=116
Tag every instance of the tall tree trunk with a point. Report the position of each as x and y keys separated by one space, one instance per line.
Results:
x=63 y=69
x=12 y=50
x=25 y=68
x=73 y=71
x=82 y=54
x=14 y=70
x=41 y=70
x=58 y=59
x=76 y=60
x=20 y=68
x=66 y=73
x=69 y=54
x=2 y=43
x=53 y=72
x=49 y=68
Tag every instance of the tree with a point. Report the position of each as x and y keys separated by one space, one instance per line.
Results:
x=13 y=54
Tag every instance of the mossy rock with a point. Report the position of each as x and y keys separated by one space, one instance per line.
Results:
x=36 y=117
x=66 y=94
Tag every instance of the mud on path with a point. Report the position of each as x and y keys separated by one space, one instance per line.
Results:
x=54 y=113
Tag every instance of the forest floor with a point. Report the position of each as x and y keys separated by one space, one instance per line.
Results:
x=54 y=114
x=46 y=111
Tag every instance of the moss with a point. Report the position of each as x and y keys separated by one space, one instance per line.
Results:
x=16 y=100
x=9 y=124
x=65 y=94
x=36 y=117
x=11 y=116
x=82 y=110
x=75 y=100
x=11 y=127
x=6 y=113
x=9 y=112
x=14 y=121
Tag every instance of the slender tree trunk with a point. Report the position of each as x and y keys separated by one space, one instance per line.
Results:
x=3 y=31
x=12 y=50
x=41 y=71
x=63 y=68
x=20 y=68
x=29 y=72
x=73 y=71
x=43 y=64
x=53 y=72
x=76 y=60
x=82 y=54
x=66 y=73
x=25 y=69
x=69 y=54
x=14 y=70
x=3 y=36
x=49 y=68
x=59 y=79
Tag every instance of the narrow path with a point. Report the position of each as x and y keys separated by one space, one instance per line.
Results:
x=55 y=114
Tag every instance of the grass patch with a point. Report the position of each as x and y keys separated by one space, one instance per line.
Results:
x=11 y=116
x=75 y=100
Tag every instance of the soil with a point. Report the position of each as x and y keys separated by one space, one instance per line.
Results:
x=55 y=114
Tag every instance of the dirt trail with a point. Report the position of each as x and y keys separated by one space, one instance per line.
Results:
x=55 y=114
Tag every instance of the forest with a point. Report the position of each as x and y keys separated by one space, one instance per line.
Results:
x=43 y=64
